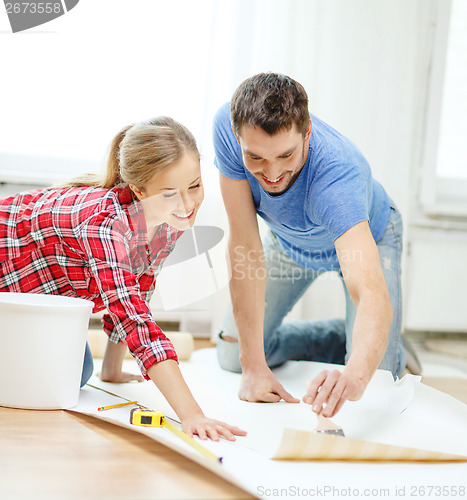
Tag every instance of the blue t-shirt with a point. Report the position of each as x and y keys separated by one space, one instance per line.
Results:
x=333 y=192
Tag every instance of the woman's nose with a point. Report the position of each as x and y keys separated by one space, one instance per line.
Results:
x=187 y=202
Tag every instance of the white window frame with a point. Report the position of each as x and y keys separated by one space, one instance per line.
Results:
x=438 y=196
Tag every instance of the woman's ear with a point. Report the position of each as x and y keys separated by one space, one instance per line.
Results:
x=138 y=193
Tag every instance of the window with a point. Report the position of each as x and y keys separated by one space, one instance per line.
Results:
x=69 y=86
x=444 y=182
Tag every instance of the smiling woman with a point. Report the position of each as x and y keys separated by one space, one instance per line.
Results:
x=171 y=191
x=175 y=195
x=90 y=239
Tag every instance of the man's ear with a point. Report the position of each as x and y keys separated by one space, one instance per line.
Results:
x=138 y=193
x=236 y=136
x=308 y=131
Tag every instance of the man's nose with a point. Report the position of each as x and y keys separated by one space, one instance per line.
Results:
x=272 y=171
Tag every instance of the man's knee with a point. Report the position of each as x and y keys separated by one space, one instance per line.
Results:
x=228 y=353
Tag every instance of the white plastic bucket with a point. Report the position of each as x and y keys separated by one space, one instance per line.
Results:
x=42 y=344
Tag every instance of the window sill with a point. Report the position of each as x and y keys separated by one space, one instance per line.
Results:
x=454 y=210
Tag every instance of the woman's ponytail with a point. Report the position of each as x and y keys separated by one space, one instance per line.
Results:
x=112 y=174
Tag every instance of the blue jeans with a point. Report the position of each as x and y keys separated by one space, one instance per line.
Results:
x=326 y=341
x=88 y=366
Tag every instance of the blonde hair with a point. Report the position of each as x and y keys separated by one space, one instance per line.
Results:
x=140 y=151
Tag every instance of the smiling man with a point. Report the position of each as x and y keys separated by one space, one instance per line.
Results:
x=325 y=212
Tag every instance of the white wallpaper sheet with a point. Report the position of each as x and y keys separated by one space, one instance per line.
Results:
x=403 y=413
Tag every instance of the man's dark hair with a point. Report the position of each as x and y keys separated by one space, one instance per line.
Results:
x=270 y=101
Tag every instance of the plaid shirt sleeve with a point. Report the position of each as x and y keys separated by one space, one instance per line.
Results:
x=108 y=245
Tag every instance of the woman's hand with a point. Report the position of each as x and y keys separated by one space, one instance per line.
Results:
x=206 y=428
x=119 y=377
x=168 y=378
x=112 y=365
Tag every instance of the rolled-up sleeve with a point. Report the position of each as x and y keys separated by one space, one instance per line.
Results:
x=107 y=243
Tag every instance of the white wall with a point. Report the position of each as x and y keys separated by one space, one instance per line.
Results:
x=365 y=81
x=366 y=67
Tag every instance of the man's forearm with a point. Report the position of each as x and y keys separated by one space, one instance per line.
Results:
x=247 y=290
x=370 y=333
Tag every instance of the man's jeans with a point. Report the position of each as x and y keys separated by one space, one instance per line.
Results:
x=326 y=340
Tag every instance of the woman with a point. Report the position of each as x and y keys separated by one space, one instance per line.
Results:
x=105 y=239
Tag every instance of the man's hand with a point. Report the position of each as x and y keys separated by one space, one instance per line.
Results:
x=334 y=388
x=262 y=386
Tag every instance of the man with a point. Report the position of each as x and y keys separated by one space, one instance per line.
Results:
x=314 y=190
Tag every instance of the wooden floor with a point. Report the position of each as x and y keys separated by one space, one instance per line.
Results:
x=455 y=387
x=51 y=455
x=48 y=455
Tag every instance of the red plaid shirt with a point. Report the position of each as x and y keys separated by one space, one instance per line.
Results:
x=90 y=243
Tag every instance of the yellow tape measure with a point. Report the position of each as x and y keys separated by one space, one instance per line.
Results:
x=146 y=418
x=153 y=418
